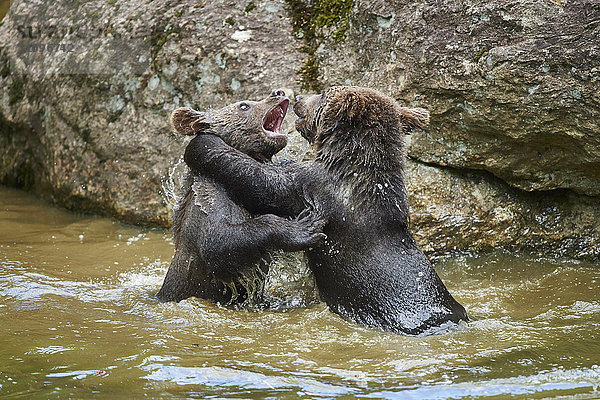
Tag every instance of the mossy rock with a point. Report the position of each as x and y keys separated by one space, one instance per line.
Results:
x=309 y=18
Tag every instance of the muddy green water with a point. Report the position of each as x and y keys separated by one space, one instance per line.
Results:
x=4 y=6
x=78 y=319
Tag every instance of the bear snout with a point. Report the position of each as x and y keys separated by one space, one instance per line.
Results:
x=278 y=93
x=299 y=107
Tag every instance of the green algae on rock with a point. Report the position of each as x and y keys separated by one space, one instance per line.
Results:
x=309 y=19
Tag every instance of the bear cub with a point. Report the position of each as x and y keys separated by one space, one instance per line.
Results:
x=222 y=251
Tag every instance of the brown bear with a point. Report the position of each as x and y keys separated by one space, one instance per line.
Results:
x=370 y=269
x=221 y=250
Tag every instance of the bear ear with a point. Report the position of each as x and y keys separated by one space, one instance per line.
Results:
x=352 y=105
x=413 y=119
x=190 y=122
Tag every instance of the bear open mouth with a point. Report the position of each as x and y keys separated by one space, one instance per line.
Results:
x=274 y=118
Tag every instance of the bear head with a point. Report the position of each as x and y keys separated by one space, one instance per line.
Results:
x=357 y=134
x=252 y=127
x=354 y=112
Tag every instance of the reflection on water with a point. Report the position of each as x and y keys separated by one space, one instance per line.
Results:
x=78 y=319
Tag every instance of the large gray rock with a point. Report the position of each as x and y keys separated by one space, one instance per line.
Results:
x=88 y=128
x=513 y=86
x=460 y=210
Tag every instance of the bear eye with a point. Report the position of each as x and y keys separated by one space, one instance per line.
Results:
x=244 y=106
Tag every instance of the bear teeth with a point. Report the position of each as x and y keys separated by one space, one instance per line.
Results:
x=273 y=118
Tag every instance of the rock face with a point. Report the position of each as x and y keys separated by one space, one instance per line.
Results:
x=513 y=89
x=459 y=210
x=88 y=127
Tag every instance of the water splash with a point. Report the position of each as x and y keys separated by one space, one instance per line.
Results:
x=289 y=282
x=171 y=184
x=254 y=282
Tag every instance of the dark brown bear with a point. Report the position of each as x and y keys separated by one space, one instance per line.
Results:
x=370 y=270
x=221 y=250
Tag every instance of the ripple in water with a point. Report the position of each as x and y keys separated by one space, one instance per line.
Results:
x=78 y=318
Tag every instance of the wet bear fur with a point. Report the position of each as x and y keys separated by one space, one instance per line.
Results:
x=369 y=270
x=222 y=252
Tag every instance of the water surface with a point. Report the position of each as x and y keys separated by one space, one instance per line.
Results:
x=4 y=7
x=78 y=319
